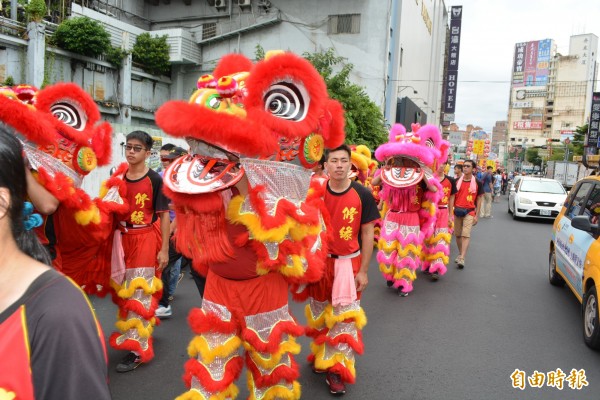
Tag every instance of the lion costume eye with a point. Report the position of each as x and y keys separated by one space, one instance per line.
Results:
x=429 y=143
x=287 y=100
x=69 y=114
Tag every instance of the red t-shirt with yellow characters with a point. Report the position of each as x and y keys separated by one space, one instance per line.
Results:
x=348 y=211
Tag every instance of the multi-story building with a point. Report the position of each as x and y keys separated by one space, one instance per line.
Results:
x=550 y=93
x=499 y=133
x=396 y=48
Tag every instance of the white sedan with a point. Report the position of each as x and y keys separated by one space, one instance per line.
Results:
x=536 y=197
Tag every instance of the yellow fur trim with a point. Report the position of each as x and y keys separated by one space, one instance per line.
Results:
x=394 y=246
x=405 y=273
x=295 y=270
x=433 y=257
x=137 y=324
x=139 y=283
x=324 y=364
x=289 y=346
x=430 y=207
x=359 y=317
x=199 y=345
x=252 y=222
x=386 y=269
x=230 y=393
x=85 y=217
x=440 y=237
x=275 y=392
x=312 y=322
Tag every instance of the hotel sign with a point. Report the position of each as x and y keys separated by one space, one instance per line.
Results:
x=451 y=79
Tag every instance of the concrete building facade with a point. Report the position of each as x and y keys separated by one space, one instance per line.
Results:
x=551 y=93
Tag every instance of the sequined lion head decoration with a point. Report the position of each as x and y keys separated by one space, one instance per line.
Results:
x=276 y=109
x=248 y=120
x=410 y=156
x=60 y=126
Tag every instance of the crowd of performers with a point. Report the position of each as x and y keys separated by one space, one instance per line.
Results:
x=250 y=214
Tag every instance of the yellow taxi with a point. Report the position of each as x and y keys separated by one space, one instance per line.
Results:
x=575 y=252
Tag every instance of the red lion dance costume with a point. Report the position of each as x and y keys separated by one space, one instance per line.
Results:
x=409 y=157
x=64 y=141
x=250 y=241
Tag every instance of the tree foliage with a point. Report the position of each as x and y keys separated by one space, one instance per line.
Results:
x=152 y=53
x=364 y=120
x=115 y=56
x=36 y=10
x=83 y=36
x=533 y=156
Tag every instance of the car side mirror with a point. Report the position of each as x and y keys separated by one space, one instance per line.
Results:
x=582 y=222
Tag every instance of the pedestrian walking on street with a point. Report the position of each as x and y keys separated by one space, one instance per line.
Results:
x=140 y=252
x=467 y=204
x=334 y=302
x=488 y=190
x=51 y=344
x=458 y=171
x=497 y=186
x=171 y=275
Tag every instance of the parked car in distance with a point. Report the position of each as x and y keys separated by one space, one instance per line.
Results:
x=574 y=257
x=536 y=197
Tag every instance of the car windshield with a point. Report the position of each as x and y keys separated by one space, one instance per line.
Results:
x=542 y=187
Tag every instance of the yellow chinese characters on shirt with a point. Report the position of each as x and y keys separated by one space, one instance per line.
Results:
x=347 y=215
x=137 y=217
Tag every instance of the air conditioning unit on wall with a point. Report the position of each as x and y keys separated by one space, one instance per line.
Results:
x=221 y=4
x=244 y=3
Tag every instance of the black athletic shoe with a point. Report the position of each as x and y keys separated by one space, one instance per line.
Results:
x=129 y=363
x=435 y=276
x=401 y=293
x=389 y=283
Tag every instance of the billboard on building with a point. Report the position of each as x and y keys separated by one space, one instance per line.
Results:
x=593 y=136
x=527 y=125
x=531 y=63
x=451 y=80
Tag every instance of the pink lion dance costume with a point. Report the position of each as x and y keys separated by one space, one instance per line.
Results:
x=436 y=252
x=412 y=207
x=250 y=241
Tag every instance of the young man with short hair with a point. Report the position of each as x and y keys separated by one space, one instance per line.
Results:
x=467 y=204
x=335 y=315
x=140 y=252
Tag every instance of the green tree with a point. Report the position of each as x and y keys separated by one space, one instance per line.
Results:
x=578 y=139
x=82 y=35
x=152 y=53
x=364 y=121
x=533 y=156
x=36 y=10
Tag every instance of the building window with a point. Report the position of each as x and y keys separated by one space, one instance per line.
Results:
x=344 y=23
x=209 y=30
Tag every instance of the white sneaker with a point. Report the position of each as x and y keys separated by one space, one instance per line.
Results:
x=164 y=312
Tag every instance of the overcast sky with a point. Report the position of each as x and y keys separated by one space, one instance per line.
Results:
x=490 y=29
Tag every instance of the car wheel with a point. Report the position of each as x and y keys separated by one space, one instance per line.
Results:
x=591 y=325
x=553 y=276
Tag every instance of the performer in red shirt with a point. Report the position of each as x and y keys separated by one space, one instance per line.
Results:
x=467 y=203
x=335 y=317
x=140 y=252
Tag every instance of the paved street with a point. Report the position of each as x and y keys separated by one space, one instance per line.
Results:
x=458 y=338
